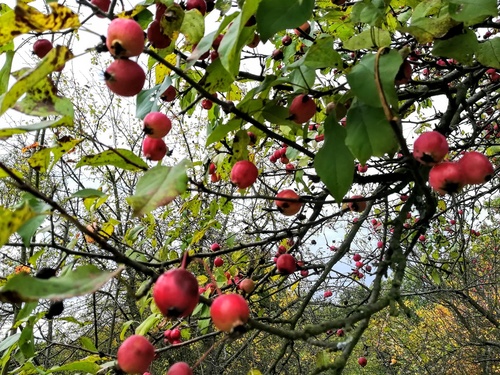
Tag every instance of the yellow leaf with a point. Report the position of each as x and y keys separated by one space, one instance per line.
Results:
x=161 y=71
x=11 y=221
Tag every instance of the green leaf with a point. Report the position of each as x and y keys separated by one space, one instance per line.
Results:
x=368 y=132
x=145 y=326
x=86 y=365
x=125 y=328
x=370 y=13
x=29 y=78
x=217 y=78
x=362 y=78
x=236 y=37
x=172 y=26
x=83 y=280
x=11 y=221
x=303 y=78
x=488 y=53
x=193 y=26
x=8 y=132
x=472 y=11
x=461 y=47
x=320 y=55
x=88 y=193
x=369 y=39
x=273 y=16
x=9 y=341
x=158 y=187
x=5 y=72
x=27 y=341
x=28 y=229
x=221 y=130
x=430 y=20
x=322 y=359
x=87 y=343
x=436 y=277
x=334 y=162
x=120 y=158
x=41 y=160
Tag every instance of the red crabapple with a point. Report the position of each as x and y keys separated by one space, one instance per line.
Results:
x=286 y=264
x=244 y=173
x=446 y=177
x=176 y=293
x=41 y=47
x=124 y=77
x=157 y=125
x=135 y=354
x=154 y=148
x=476 y=167
x=125 y=38
x=288 y=208
x=229 y=311
x=302 y=108
x=430 y=148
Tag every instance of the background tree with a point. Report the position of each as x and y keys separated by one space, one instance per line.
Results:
x=292 y=161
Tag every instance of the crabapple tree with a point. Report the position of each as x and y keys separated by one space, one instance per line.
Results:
x=243 y=187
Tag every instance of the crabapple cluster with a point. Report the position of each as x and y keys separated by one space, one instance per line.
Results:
x=473 y=168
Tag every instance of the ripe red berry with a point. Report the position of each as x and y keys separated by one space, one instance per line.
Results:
x=286 y=264
x=169 y=94
x=476 y=167
x=288 y=208
x=102 y=5
x=218 y=262
x=430 y=148
x=229 y=311
x=380 y=244
x=362 y=361
x=175 y=334
x=180 y=368
x=446 y=177
x=247 y=285
x=215 y=247
x=135 y=354
x=244 y=173
x=154 y=148
x=302 y=109
x=340 y=332
x=176 y=293
x=156 y=36
x=327 y=293
x=41 y=47
x=201 y=5
x=125 y=77
x=125 y=38
x=207 y=104
x=156 y=125
x=356 y=257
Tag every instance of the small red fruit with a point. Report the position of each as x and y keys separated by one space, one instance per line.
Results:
x=357 y=206
x=404 y=74
x=247 y=285
x=180 y=368
x=327 y=293
x=289 y=168
x=216 y=42
x=277 y=54
x=207 y=104
x=304 y=28
x=380 y=244
x=176 y=293
x=430 y=148
x=154 y=148
x=175 y=334
x=125 y=38
x=356 y=257
x=446 y=177
x=156 y=36
x=286 y=40
x=157 y=125
x=215 y=247
x=304 y=273
x=281 y=249
x=421 y=238
x=41 y=47
x=368 y=268
x=302 y=109
x=286 y=264
x=244 y=173
x=362 y=361
x=125 y=77
x=135 y=354
x=201 y=5
x=359 y=264
x=229 y=311
x=218 y=262
x=340 y=332
x=288 y=208
x=476 y=167
x=169 y=94
x=103 y=5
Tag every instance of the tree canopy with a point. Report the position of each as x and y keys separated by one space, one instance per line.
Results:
x=249 y=187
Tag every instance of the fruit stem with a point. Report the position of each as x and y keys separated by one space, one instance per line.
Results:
x=184 y=262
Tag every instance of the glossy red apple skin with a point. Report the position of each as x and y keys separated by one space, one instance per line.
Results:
x=430 y=148
x=286 y=264
x=244 y=174
x=288 y=208
x=201 y=5
x=41 y=47
x=154 y=149
x=102 y=5
x=229 y=311
x=218 y=262
x=247 y=285
x=476 y=167
x=169 y=94
x=176 y=293
x=125 y=77
x=446 y=178
x=302 y=108
x=362 y=361
x=156 y=125
x=135 y=354
x=125 y=38
x=156 y=36
x=180 y=368
x=357 y=206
